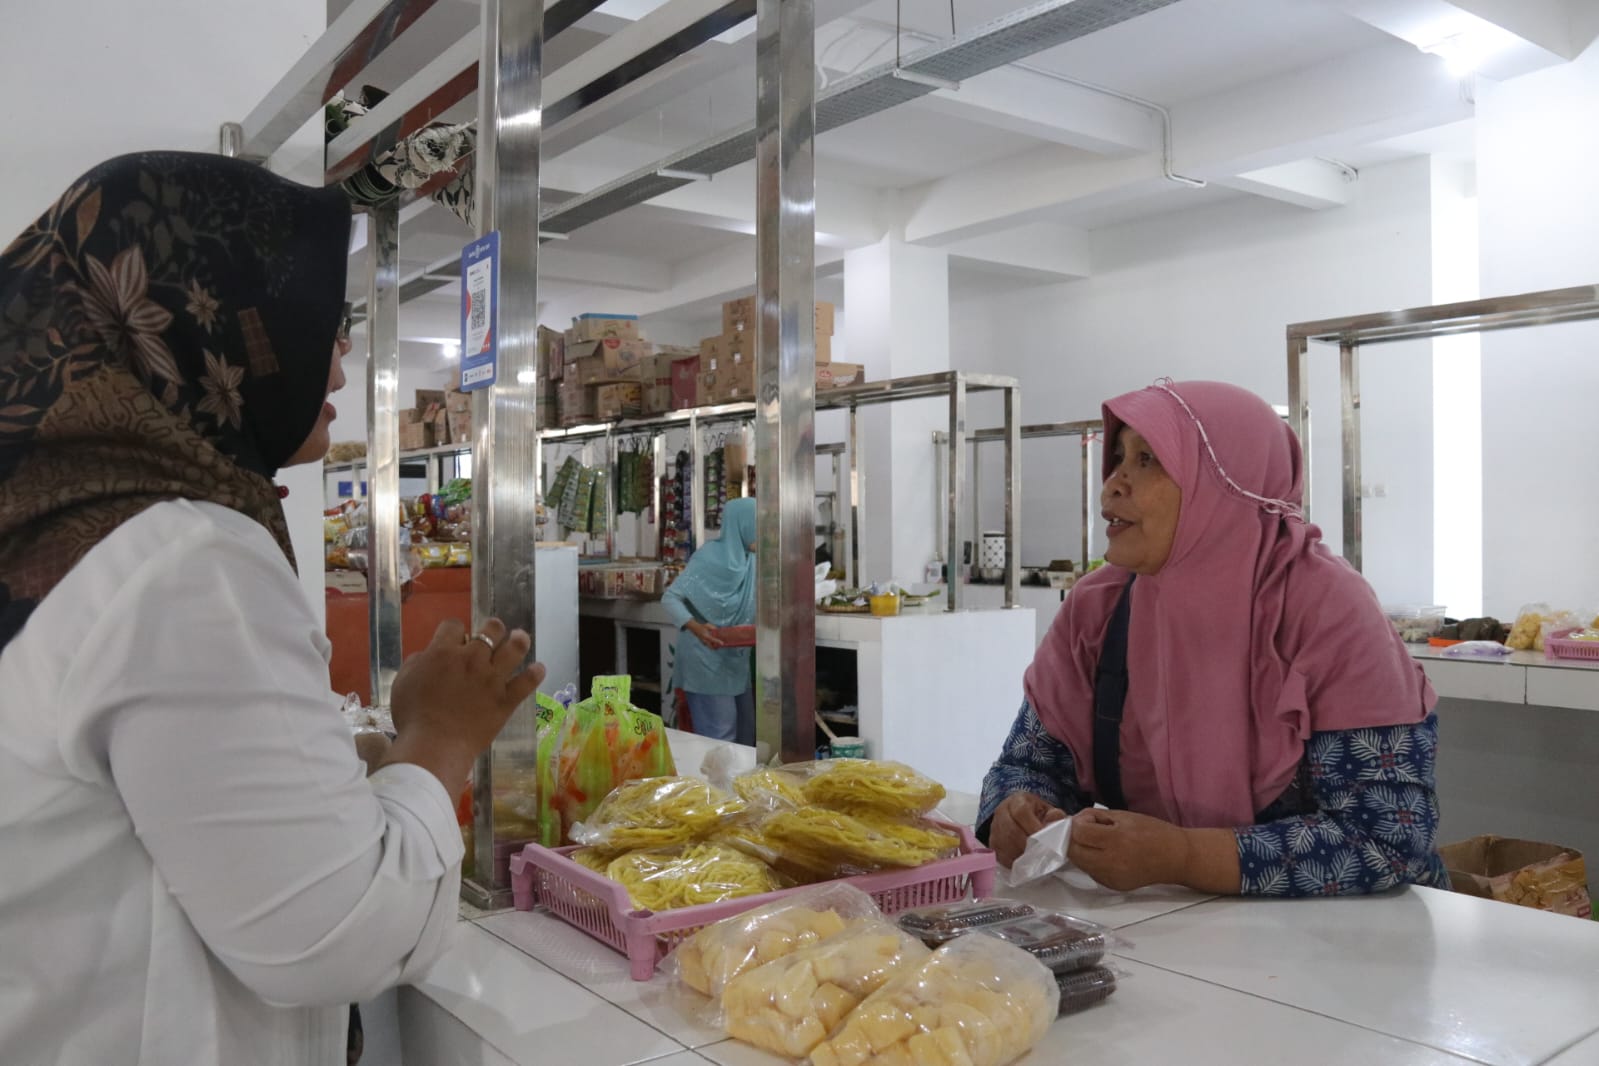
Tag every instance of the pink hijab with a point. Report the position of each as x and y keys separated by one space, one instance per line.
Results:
x=1253 y=635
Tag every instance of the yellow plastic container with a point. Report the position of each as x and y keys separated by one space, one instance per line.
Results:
x=884 y=606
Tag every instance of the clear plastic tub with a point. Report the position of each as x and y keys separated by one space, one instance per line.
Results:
x=1416 y=623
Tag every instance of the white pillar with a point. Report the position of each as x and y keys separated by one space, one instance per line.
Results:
x=897 y=298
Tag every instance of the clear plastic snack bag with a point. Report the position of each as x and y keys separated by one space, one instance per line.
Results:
x=721 y=951
x=657 y=812
x=1062 y=943
x=938 y=924
x=977 y=1000
x=668 y=878
x=830 y=843
x=789 y=1006
x=875 y=785
x=772 y=788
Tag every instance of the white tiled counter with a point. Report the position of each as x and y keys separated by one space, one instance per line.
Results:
x=1525 y=677
x=1414 y=978
x=1420 y=977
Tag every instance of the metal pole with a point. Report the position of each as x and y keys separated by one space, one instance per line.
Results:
x=1349 y=387
x=1088 y=500
x=612 y=487
x=1299 y=402
x=658 y=470
x=785 y=373
x=383 y=450
x=505 y=509
x=977 y=491
x=853 y=578
x=696 y=500
x=957 y=477
x=1013 y=488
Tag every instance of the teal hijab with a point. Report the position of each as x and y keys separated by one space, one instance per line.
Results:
x=718 y=587
x=719 y=581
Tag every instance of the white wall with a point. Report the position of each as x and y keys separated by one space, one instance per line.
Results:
x=91 y=79
x=1208 y=294
x=1538 y=154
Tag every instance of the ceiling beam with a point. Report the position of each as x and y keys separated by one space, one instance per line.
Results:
x=1310 y=183
x=1043 y=252
x=1010 y=98
x=1498 y=38
x=1373 y=94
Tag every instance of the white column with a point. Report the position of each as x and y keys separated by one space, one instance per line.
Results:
x=897 y=297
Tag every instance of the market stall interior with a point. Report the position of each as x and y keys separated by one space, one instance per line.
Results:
x=565 y=475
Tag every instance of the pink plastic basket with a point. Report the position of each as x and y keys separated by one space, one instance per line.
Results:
x=600 y=907
x=1556 y=646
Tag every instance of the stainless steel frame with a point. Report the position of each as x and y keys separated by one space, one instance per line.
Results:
x=1578 y=304
x=504 y=469
x=383 y=452
x=1085 y=431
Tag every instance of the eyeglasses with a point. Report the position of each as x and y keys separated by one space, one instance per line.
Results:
x=346 y=323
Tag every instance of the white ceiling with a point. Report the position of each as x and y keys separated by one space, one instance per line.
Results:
x=1251 y=84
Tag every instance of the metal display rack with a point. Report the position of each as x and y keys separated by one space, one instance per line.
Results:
x=1552 y=306
x=1086 y=432
x=502 y=61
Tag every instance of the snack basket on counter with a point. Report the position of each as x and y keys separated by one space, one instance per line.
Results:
x=597 y=905
x=1573 y=644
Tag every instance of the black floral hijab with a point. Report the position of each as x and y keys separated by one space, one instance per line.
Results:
x=166 y=330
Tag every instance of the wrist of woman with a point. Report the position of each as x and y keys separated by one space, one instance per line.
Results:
x=446 y=756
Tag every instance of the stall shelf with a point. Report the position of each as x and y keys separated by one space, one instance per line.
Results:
x=1551 y=306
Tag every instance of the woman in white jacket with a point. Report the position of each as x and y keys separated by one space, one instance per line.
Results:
x=196 y=867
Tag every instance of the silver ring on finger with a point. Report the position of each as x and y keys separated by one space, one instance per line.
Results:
x=486 y=639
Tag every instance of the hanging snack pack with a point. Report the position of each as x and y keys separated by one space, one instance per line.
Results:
x=595 y=746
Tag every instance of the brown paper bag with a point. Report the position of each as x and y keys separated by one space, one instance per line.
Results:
x=1524 y=872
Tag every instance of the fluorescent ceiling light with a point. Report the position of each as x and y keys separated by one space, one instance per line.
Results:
x=452 y=351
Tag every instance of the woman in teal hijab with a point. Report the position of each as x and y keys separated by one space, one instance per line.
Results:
x=717 y=589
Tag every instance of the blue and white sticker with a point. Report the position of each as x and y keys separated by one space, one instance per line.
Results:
x=480 y=308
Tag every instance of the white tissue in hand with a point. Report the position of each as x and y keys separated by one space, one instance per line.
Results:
x=1045 y=853
x=725 y=762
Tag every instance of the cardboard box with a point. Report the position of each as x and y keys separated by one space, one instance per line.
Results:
x=441 y=426
x=625 y=400
x=619 y=356
x=837 y=375
x=741 y=346
x=594 y=371
x=426 y=398
x=552 y=353
x=733 y=383
x=460 y=426
x=738 y=316
x=575 y=402
x=415 y=436
x=597 y=327
x=685 y=383
x=1547 y=877
x=657 y=400
x=455 y=401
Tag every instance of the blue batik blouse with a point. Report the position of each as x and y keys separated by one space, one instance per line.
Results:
x=1361 y=817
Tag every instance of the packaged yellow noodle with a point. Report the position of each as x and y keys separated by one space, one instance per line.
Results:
x=976 y=1002
x=830 y=843
x=772 y=788
x=594 y=859
x=685 y=876
x=790 y=1005
x=856 y=785
x=656 y=812
x=721 y=951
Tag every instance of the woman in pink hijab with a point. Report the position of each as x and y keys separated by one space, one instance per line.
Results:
x=1226 y=686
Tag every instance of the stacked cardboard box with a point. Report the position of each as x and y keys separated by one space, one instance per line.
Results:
x=739 y=316
x=607 y=370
